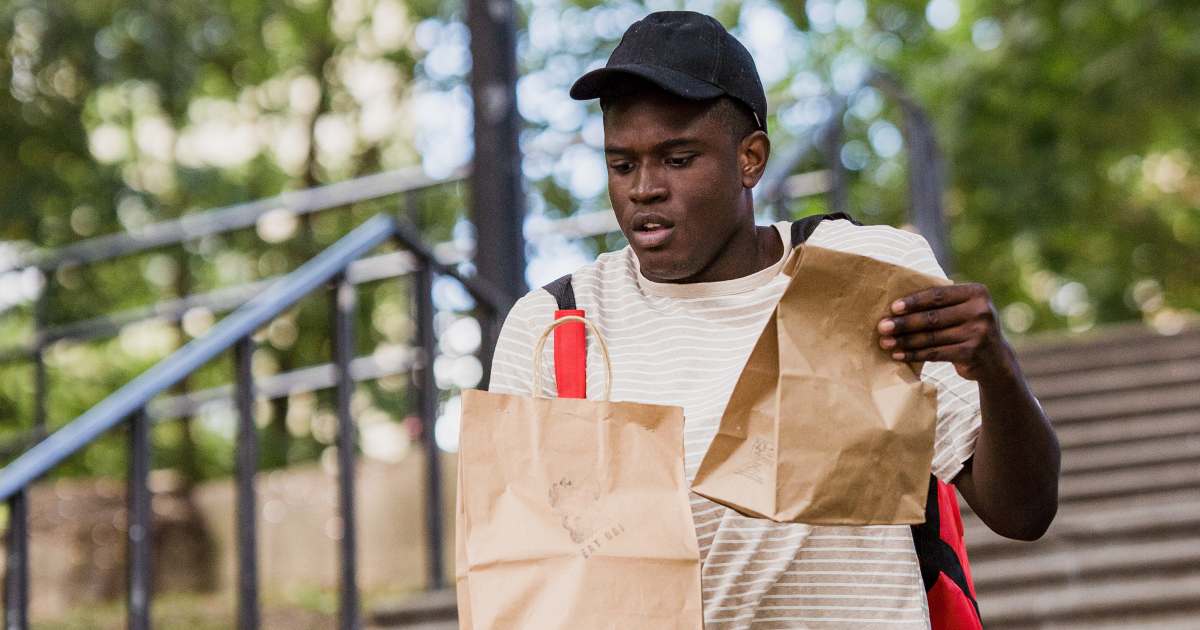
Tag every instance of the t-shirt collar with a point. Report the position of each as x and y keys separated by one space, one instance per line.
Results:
x=719 y=288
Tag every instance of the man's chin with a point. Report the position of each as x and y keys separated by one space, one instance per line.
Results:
x=658 y=267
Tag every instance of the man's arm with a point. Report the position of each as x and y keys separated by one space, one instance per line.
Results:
x=1012 y=480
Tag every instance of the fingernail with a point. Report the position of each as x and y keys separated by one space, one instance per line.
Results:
x=887 y=342
x=887 y=326
x=898 y=306
x=897 y=355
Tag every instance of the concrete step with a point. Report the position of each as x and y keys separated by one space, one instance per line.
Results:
x=1089 y=485
x=1132 y=346
x=1129 y=481
x=1128 y=429
x=433 y=610
x=1145 y=620
x=1141 y=402
x=1140 y=517
x=1065 y=561
x=1097 y=603
x=1113 y=379
x=1131 y=453
x=419 y=625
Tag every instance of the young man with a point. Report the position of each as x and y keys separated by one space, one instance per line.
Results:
x=682 y=306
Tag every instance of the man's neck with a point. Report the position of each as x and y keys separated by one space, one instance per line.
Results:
x=747 y=251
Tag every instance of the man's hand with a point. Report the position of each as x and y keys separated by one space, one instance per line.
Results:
x=955 y=323
x=1012 y=480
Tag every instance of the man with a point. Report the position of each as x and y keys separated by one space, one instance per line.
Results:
x=682 y=306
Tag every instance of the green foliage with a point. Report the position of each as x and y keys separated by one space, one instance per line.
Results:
x=125 y=113
x=1070 y=143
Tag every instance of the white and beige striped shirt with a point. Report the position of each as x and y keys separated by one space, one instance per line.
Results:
x=685 y=344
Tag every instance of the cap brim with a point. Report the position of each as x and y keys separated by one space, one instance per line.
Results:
x=593 y=84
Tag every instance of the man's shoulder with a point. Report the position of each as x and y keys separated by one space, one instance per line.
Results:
x=881 y=242
x=609 y=269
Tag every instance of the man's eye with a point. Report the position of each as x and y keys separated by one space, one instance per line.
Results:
x=621 y=167
x=680 y=161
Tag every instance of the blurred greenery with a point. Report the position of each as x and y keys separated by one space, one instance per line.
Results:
x=125 y=113
x=1069 y=130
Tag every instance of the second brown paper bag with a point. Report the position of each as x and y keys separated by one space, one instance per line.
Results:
x=823 y=426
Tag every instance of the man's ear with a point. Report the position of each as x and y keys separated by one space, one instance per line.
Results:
x=753 y=152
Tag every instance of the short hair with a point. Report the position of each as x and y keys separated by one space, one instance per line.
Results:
x=731 y=113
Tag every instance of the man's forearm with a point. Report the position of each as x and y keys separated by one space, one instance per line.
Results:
x=1012 y=483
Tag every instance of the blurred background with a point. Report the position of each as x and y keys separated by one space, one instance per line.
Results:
x=163 y=163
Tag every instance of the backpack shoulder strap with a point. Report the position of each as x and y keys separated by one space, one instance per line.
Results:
x=803 y=228
x=563 y=293
x=942 y=552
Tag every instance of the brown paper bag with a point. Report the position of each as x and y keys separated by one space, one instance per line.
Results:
x=461 y=585
x=574 y=514
x=823 y=426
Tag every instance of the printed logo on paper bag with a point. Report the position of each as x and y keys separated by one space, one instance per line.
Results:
x=578 y=506
x=762 y=457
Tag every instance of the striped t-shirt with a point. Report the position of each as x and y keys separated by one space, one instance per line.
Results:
x=685 y=344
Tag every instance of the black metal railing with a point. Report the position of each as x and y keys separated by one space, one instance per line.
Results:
x=926 y=170
x=129 y=405
x=410 y=183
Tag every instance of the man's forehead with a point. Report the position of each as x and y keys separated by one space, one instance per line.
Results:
x=658 y=115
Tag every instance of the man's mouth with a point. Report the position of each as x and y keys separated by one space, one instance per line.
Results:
x=651 y=231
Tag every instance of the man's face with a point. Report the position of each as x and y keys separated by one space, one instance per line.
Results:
x=674 y=181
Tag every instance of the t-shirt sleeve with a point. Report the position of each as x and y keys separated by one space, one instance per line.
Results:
x=959 y=416
x=512 y=362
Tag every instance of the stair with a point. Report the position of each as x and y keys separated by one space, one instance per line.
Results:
x=434 y=610
x=1124 y=550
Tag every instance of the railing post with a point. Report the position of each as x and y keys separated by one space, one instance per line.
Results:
x=139 y=530
x=490 y=321
x=497 y=194
x=830 y=141
x=246 y=467
x=16 y=569
x=926 y=170
x=39 y=362
x=344 y=305
x=428 y=400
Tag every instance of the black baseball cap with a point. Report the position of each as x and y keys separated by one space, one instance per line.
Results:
x=688 y=54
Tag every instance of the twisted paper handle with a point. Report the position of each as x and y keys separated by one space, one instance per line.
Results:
x=541 y=344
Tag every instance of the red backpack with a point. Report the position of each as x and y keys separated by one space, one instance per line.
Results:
x=941 y=553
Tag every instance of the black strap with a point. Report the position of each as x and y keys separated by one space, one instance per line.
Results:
x=563 y=293
x=934 y=555
x=803 y=228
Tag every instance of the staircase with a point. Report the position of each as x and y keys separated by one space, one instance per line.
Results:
x=1124 y=550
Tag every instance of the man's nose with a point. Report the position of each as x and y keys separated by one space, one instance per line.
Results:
x=648 y=186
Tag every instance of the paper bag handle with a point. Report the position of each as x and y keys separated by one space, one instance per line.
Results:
x=541 y=344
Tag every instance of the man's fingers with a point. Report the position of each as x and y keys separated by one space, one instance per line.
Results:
x=936 y=297
x=927 y=339
x=932 y=319
x=956 y=353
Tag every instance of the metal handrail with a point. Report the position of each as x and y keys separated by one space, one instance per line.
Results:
x=231 y=218
x=130 y=404
x=370 y=269
x=277 y=297
x=135 y=394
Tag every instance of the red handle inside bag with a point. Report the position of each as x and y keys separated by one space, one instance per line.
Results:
x=570 y=356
